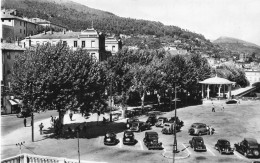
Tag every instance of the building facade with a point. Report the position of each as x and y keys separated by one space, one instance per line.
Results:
x=88 y=39
x=113 y=45
x=45 y=24
x=16 y=28
x=9 y=52
x=252 y=76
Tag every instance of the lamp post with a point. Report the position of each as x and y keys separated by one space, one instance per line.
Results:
x=20 y=146
x=78 y=145
x=110 y=101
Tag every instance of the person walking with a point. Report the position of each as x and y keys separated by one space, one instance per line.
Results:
x=71 y=114
x=41 y=127
x=213 y=108
x=24 y=122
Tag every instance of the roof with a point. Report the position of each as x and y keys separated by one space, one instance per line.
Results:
x=7 y=16
x=11 y=46
x=216 y=80
x=251 y=141
x=55 y=35
x=151 y=133
x=197 y=138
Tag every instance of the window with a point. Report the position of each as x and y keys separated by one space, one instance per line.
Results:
x=64 y=42
x=23 y=31
x=83 y=44
x=8 y=55
x=30 y=43
x=24 y=23
x=20 y=23
x=9 y=20
x=113 y=48
x=75 y=44
x=92 y=44
x=20 y=30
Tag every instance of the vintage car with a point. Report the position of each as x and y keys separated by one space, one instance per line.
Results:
x=197 y=144
x=249 y=147
x=152 y=120
x=24 y=114
x=130 y=121
x=223 y=146
x=161 y=121
x=200 y=129
x=151 y=140
x=232 y=101
x=139 y=126
x=129 y=138
x=110 y=139
x=178 y=121
x=168 y=128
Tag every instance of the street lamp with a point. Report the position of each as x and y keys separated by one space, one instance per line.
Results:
x=20 y=146
x=78 y=130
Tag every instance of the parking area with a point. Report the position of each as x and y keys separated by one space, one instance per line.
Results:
x=226 y=125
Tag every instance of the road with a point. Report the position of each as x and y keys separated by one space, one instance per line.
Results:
x=10 y=123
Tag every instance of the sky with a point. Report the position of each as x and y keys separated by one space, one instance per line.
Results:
x=211 y=18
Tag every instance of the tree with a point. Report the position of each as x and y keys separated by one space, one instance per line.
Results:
x=56 y=77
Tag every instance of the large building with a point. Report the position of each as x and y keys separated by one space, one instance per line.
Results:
x=88 y=39
x=8 y=103
x=16 y=28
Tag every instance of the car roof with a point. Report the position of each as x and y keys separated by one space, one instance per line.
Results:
x=151 y=133
x=198 y=138
x=251 y=141
x=223 y=140
x=162 y=118
x=128 y=132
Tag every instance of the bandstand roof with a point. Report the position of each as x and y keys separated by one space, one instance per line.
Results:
x=216 y=80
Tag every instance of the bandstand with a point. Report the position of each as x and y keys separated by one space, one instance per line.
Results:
x=220 y=82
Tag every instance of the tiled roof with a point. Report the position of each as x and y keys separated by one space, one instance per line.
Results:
x=11 y=46
x=7 y=16
x=56 y=35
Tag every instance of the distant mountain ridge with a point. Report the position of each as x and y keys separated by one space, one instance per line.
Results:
x=224 y=39
x=237 y=45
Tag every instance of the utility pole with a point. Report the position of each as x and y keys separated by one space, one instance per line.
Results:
x=78 y=145
x=110 y=100
x=32 y=116
x=20 y=146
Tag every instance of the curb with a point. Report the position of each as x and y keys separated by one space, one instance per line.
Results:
x=177 y=158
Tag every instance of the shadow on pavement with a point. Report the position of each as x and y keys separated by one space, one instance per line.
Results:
x=87 y=130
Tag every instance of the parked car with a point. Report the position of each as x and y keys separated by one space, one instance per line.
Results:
x=200 y=129
x=168 y=128
x=223 y=146
x=140 y=126
x=232 y=101
x=151 y=140
x=129 y=138
x=161 y=121
x=197 y=144
x=249 y=147
x=130 y=121
x=24 y=114
x=110 y=139
x=152 y=120
x=178 y=121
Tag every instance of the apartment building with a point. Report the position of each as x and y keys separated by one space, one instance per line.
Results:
x=88 y=39
x=16 y=28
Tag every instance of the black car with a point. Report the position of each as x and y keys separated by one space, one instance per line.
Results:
x=110 y=139
x=197 y=144
x=231 y=101
x=249 y=147
x=24 y=114
x=129 y=138
x=140 y=126
x=151 y=140
x=151 y=120
x=130 y=121
x=223 y=146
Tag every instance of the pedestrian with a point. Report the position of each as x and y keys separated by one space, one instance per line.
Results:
x=52 y=118
x=41 y=127
x=213 y=108
x=24 y=122
x=209 y=130
x=223 y=108
x=71 y=114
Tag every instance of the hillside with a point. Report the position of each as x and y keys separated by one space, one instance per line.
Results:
x=143 y=33
x=237 y=45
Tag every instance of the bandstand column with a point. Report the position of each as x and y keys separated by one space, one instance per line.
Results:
x=208 y=92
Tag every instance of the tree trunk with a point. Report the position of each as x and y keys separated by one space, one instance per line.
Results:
x=142 y=99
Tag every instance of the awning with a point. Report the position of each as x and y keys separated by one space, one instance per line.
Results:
x=15 y=101
x=216 y=80
x=12 y=102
